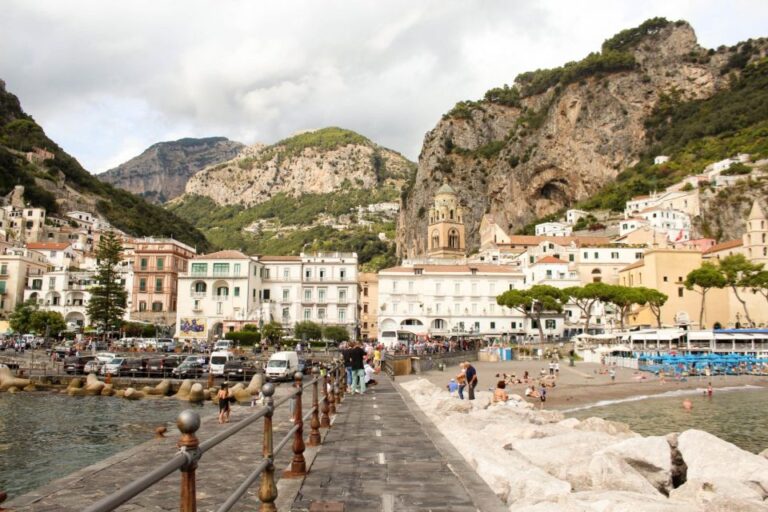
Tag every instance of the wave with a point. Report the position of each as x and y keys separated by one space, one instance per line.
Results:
x=667 y=394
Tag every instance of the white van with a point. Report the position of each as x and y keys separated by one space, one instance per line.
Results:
x=217 y=361
x=282 y=366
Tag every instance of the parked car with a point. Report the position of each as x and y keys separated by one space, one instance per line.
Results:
x=163 y=365
x=189 y=368
x=135 y=367
x=240 y=368
x=166 y=345
x=93 y=366
x=114 y=366
x=76 y=364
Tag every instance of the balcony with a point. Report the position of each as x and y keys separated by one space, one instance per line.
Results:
x=198 y=295
x=220 y=298
x=197 y=309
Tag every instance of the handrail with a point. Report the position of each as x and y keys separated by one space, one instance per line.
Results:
x=191 y=451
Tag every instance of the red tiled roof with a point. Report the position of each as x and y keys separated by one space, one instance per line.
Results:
x=48 y=246
x=730 y=244
x=550 y=259
x=222 y=255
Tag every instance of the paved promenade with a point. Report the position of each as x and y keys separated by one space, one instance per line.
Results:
x=380 y=454
x=383 y=454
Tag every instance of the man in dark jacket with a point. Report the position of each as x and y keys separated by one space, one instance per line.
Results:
x=471 y=380
x=356 y=361
x=347 y=364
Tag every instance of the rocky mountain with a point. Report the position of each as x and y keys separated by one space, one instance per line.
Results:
x=54 y=180
x=161 y=172
x=557 y=136
x=314 y=162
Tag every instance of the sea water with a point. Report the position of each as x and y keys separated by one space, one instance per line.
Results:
x=44 y=436
x=738 y=414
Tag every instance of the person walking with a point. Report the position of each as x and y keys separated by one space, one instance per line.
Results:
x=471 y=380
x=347 y=362
x=357 y=365
x=224 y=409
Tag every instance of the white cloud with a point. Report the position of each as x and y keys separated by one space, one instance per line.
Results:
x=107 y=80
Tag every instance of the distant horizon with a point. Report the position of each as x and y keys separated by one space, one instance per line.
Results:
x=105 y=93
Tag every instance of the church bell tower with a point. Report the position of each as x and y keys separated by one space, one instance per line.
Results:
x=445 y=235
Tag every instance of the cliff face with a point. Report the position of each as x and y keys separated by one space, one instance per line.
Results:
x=161 y=172
x=316 y=162
x=529 y=157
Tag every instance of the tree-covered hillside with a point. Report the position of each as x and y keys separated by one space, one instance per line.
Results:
x=44 y=183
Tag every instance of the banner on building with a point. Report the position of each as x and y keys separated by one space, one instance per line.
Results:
x=192 y=328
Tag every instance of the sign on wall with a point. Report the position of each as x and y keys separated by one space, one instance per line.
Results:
x=193 y=328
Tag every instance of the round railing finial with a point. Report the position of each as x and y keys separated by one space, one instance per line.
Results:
x=188 y=421
x=268 y=389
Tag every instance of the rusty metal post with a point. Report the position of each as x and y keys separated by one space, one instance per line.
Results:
x=298 y=463
x=267 y=487
x=332 y=391
x=325 y=420
x=342 y=377
x=188 y=423
x=314 y=423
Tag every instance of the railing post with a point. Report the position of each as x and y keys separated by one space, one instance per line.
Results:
x=298 y=464
x=342 y=377
x=343 y=382
x=332 y=390
x=188 y=423
x=325 y=420
x=267 y=487
x=314 y=422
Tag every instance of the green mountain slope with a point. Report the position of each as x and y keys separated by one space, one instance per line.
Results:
x=61 y=183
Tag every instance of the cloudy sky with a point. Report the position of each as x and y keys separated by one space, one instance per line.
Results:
x=106 y=79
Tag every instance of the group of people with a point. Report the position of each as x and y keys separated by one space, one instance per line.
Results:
x=465 y=379
x=362 y=361
x=427 y=347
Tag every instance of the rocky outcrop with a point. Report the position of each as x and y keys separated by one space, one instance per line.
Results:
x=8 y=381
x=531 y=156
x=161 y=172
x=317 y=162
x=537 y=461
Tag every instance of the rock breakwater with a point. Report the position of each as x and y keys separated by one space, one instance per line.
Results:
x=537 y=460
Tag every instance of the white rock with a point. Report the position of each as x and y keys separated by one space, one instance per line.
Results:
x=649 y=456
x=601 y=425
x=722 y=495
x=709 y=458
x=611 y=472
x=569 y=422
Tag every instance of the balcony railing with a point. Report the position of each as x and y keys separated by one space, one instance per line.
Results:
x=221 y=297
x=198 y=295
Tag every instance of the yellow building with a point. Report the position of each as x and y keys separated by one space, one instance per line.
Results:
x=446 y=225
x=368 y=304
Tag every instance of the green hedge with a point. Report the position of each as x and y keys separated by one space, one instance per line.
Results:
x=244 y=337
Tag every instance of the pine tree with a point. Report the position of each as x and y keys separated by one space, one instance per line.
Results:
x=108 y=296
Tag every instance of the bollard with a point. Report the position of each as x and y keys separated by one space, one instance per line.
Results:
x=188 y=423
x=314 y=423
x=332 y=392
x=267 y=487
x=341 y=377
x=160 y=432
x=298 y=464
x=343 y=381
x=325 y=420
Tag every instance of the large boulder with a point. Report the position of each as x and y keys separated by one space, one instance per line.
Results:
x=648 y=456
x=611 y=472
x=600 y=425
x=710 y=458
x=183 y=392
x=723 y=495
x=7 y=380
x=607 y=501
x=162 y=389
x=75 y=387
x=196 y=394
x=107 y=390
x=133 y=394
x=93 y=385
x=254 y=387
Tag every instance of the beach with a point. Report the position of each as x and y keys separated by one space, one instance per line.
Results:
x=583 y=384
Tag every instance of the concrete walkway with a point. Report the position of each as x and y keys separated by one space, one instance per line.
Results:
x=383 y=454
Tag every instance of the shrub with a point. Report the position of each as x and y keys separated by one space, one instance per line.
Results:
x=246 y=338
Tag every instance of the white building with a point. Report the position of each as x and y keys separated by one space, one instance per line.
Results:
x=553 y=229
x=676 y=225
x=64 y=292
x=630 y=224
x=61 y=255
x=685 y=201
x=572 y=216
x=225 y=290
x=660 y=159
x=446 y=300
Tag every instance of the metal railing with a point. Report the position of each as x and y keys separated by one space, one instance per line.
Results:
x=191 y=449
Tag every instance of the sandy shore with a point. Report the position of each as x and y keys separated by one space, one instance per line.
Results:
x=583 y=384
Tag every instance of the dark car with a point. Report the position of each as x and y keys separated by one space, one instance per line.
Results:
x=135 y=367
x=163 y=366
x=189 y=369
x=76 y=364
x=240 y=369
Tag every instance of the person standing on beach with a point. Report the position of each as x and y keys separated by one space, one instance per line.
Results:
x=612 y=373
x=471 y=380
x=224 y=409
